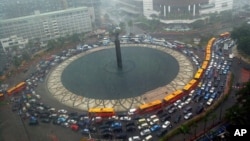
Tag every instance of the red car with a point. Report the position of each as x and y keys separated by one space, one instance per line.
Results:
x=74 y=127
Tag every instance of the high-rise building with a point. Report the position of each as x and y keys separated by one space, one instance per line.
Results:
x=46 y=26
x=216 y=6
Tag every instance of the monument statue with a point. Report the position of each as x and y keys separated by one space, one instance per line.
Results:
x=118 y=50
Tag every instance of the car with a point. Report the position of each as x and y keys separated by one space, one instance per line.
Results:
x=162 y=132
x=116 y=124
x=33 y=121
x=143 y=126
x=85 y=131
x=107 y=135
x=212 y=90
x=191 y=93
x=130 y=123
x=125 y=118
x=188 y=100
x=62 y=111
x=132 y=111
x=131 y=128
x=210 y=101
x=117 y=129
x=134 y=138
x=187 y=109
x=188 y=115
x=155 y=128
x=154 y=121
x=206 y=97
x=141 y=120
x=145 y=132
x=121 y=136
x=165 y=118
x=45 y=120
x=166 y=124
x=199 y=109
x=172 y=110
x=198 y=99
x=177 y=119
x=148 y=138
x=177 y=102
x=181 y=105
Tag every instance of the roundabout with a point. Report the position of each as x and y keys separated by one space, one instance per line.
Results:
x=125 y=92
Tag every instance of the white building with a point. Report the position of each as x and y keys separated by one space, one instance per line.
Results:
x=46 y=26
x=12 y=41
x=148 y=9
x=216 y=6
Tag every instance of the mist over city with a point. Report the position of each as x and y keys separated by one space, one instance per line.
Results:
x=124 y=70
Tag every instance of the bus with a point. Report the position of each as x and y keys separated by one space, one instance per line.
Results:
x=1 y=96
x=151 y=106
x=204 y=65
x=199 y=74
x=171 y=98
x=187 y=87
x=19 y=87
x=101 y=112
x=208 y=50
x=191 y=85
x=208 y=57
x=225 y=35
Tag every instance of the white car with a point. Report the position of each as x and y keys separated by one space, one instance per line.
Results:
x=134 y=138
x=188 y=100
x=210 y=101
x=145 y=132
x=177 y=102
x=166 y=124
x=62 y=111
x=188 y=116
x=212 y=90
x=132 y=111
x=143 y=126
x=154 y=121
x=181 y=105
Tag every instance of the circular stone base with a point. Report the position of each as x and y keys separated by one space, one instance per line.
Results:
x=97 y=75
x=69 y=98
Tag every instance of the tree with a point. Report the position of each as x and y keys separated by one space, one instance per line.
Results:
x=242 y=36
x=213 y=117
x=184 y=130
x=239 y=114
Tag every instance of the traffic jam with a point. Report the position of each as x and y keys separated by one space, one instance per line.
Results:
x=149 y=121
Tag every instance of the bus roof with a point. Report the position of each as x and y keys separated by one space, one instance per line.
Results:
x=20 y=84
x=198 y=73
x=150 y=104
x=11 y=89
x=193 y=81
x=100 y=110
x=172 y=95
x=187 y=87
x=204 y=64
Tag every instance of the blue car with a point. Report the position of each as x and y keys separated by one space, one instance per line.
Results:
x=116 y=124
x=206 y=97
x=33 y=121
x=155 y=127
x=214 y=95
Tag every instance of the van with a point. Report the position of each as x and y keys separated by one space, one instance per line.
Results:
x=148 y=138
